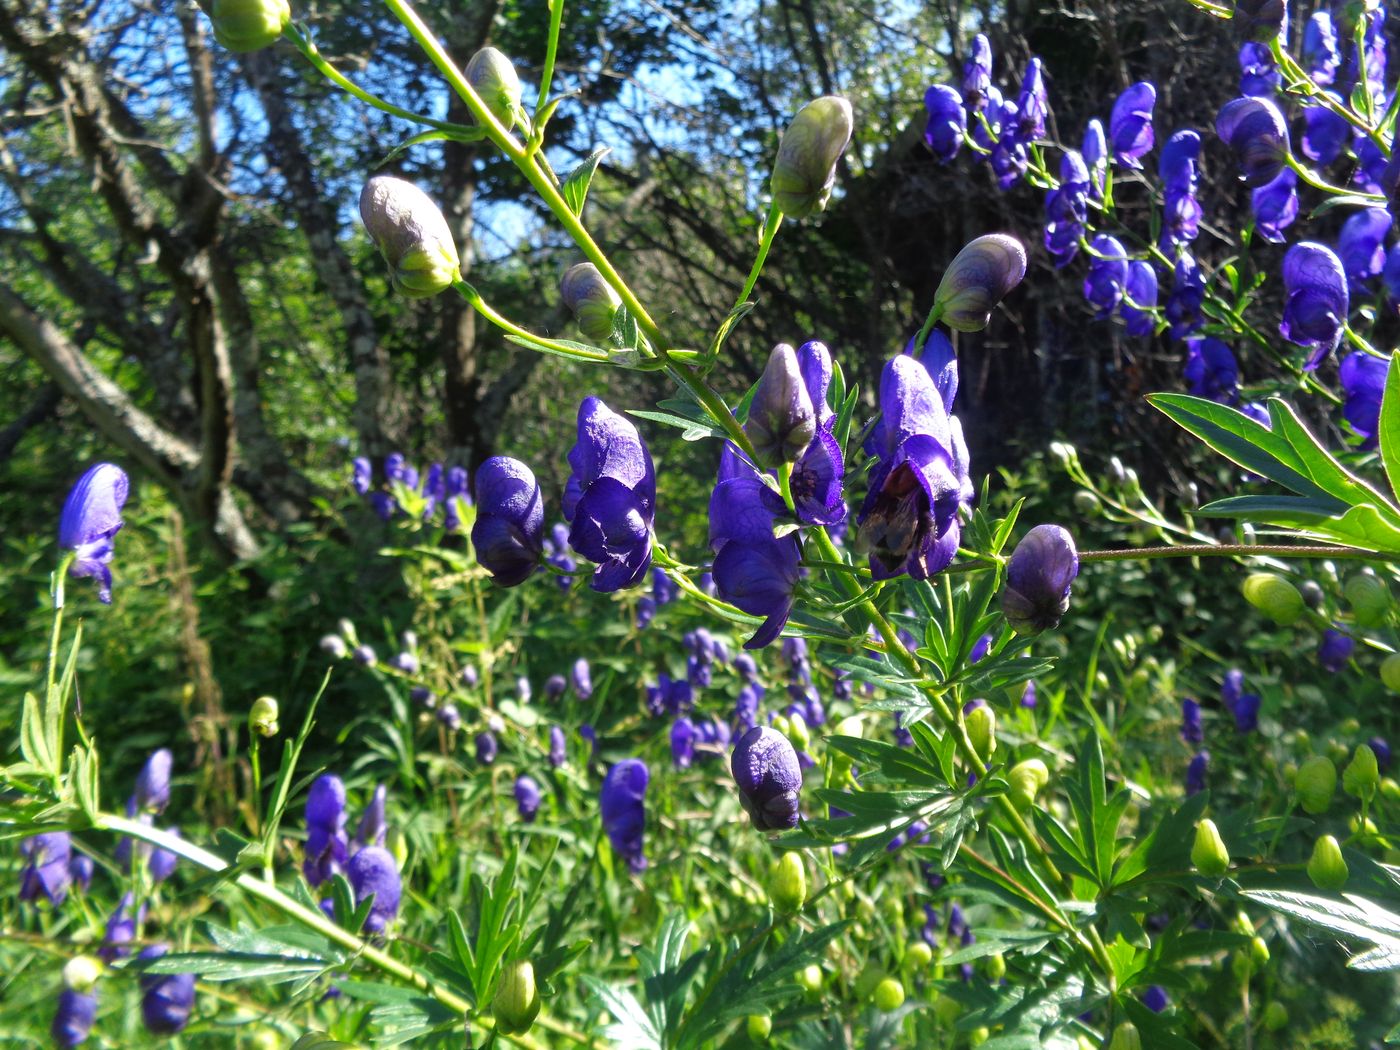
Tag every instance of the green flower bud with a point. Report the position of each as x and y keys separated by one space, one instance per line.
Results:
x=996 y=966
x=1368 y=597
x=1208 y=854
x=397 y=845
x=782 y=725
x=410 y=232
x=1390 y=789
x=1349 y=726
x=1027 y=779
x=979 y=277
x=1327 y=869
x=590 y=299
x=1242 y=924
x=805 y=170
x=981 y=724
x=249 y=25
x=1361 y=774
x=918 y=955
x=268 y=1039
x=809 y=978
x=1241 y=967
x=1125 y=1037
x=787 y=883
x=1275 y=1016
x=1315 y=784
x=493 y=78
x=759 y=1027
x=517 y=1000
x=888 y=995
x=1274 y=596
x=1390 y=672
x=1258 y=952
x=81 y=972
x=262 y=719
x=1366 y=828
x=1086 y=503
x=979 y=1035
x=798 y=735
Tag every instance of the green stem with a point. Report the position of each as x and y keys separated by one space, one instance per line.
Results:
x=770 y=230
x=551 y=54
x=1228 y=550
x=471 y=295
x=1298 y=77
x=1316 y=181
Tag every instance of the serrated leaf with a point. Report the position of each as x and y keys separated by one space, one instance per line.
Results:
x=574 y=189
x=632 y=1028
x=1357 y=917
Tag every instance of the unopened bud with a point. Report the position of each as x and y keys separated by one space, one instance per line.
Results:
x=787 y=883
x=1125 y=1037
x=809 y=978
x=81 y=972
x=1085 y=502
x=1258 y=952
x=493 y=78
x=1274 y=596
x=1314 y=597
x=397 y=845
x=1275 y=1016
x=590 y=299
x=262 y=719
x=410 y=232
x=918 y=955
x=805 y=170
x=996 y=966
x=978 y=278
x=1315 y=784
x=782 y=419
x=1027 y=779
x=1362 y=773
x=249 y=25
x=798 y=735
x=1368 y=597
x=1327 y=868
x=1390 y=672
x=888 y=995
x=759 y=1027
x=517 y=1000
x=1208 y=854
x=981 y=724
x=1261 y=21
x=1038 y=579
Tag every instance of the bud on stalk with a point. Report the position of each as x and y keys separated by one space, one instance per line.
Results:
x=805 y=170
x=493 y=78
x=1327 y=868
x=517 y=1000
x=787 y=883
x=410 y=232
x=1315 y=784
x=1208 y=854
x=249 y=25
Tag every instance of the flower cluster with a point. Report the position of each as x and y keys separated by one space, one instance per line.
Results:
x=371 y=869
x=404 y=491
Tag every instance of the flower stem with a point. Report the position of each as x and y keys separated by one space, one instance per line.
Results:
x=770 y=230
x=1228 y=550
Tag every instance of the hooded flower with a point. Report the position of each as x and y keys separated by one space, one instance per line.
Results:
x=1259 y=76
x=818 y=475
x=374 y=824
x=1108 y=273
x=1275 y=206
x=909 y=521
x=153 y=782
x=1211 y=370
x=1257 y=134
x=1246 y=712
x=610 y=500
x=1363 y=382
x=121 y=929
x=769 y=778
x=455 y=491
x=508 y=534
x=1032 y=105
x=1188 y=292
x=527 y=798
x=372 y=871
x=1191 y=721
x=558 y=747
x=1038 y=579
x=47 y=867
x=1320 y=54
x=582 y=678
x=1139 y=297
x=805 y=169
x=362 y=474
x=977 y=73
x=486 y=747
x=1095 y=153
x=1067 y=209
x=623 y=809
x=1181 y=212
x=980 y=276
x=947 y=122
x=1315 y=300
x=92 y=516
x=1196 y=771
x=1361 y=247
x=1325 y=134
x=1130 y=124
x=74 y=1017
x=1334 y=650
x=326 y=844
x=167 y=999
x=683 y=737
x=1260 y=20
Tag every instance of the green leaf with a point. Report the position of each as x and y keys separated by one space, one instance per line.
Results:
x=1358 y=917
x=632 y=1028
x=466 y=135
x=234 y=966
x=321 y=1041
x=574 y=189
x=1389 y=428
x=1321 y=466
x=680 y=422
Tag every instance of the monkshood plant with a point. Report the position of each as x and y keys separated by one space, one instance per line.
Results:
x=922 y=605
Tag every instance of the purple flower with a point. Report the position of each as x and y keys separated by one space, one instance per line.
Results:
x=326 y=844
x=1320 y=54
x=1067 y=209
x=450 y=717
x=663 y=591
x=405 y=662
x=1196 y=772
x=374 y=823
x=1361 y=246
x=121 y=929
x=80 y=869
x=1211 y=370
x=1325 y=134
x=817 y=476
x=167 y=999
x=769 y=778
x=91 y=517
x=1188 y=292
x=1390 y=275
x=46 y=870
x=980 y=648
x=455 y=495
x=622 y=806
x=1032 y=105
x=610 y=500
x=910 y=518
x=746 y=705
x=1259 y=76
x=470 y=677
x=1038 y=579
x=486 y=747
x=1181 y=213
x=364 y=656
x=1231 y=688
x=1275 y=206
x=361 y=475
x=1108 y=272
x=1130 y=124
x=1316 y=300
x=1095 y=153
x=1260 y=20
x=372 y=871
x=1334 y=650
x=1380 y=747
x=162 y=862
x=683 y=743
x=554 y=687
x=508 y=534
x=1246 y=712
x=396 y=467
x=1155 y=998
x=977 y=73
x=1009 y=157
x=74 y=1018
x=527 y=798
x=1028 y=696
x=1139 y=297
x=153 y=782
x=1363 y=382
x=947 y=122
x=558 y=747
x=1191 y=721
x=1257 y=134
x=781 y=418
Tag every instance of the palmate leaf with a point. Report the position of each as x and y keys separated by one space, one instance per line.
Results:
x=666 y=979
x=1355 y=917
x=631 y=1028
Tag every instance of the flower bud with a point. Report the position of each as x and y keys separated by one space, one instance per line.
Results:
x=797 y=731
x=334 y=646
x=1327 y=869
x=1038 y=579
x=805 y=170
x=1027 y=779
x=249 y=25
x=1390 y=672
x=809 y=978
x=590 y=299
x=262 y=719
x=918 y=955
x=81 y=972
x=996 y=966
x=493 y=78
x=410 y=232
x=1258 y=952
x=769 y=777
x=1314 y=597
x=1315 y=784
x=397 y=845
x=981 y=724
x=1208 y=854
x=1086 y=503
x=1274 y=596
x=1362 y=773
x=517 y=1000
x=888 y=995
x=1368 y=597
x=1260 y=21
x=782 y=419
x=979 y=277
x=1275 y=1016
x=1125 y=1037
x=759 y=1027
x=787 y=883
